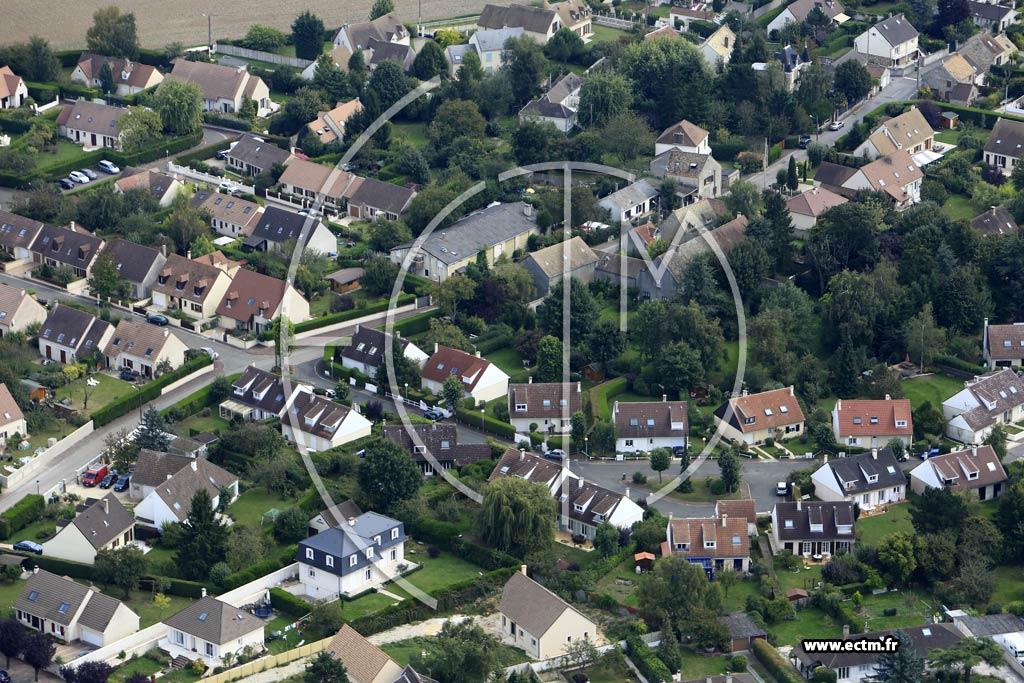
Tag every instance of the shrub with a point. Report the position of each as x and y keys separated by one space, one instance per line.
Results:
x=286 y=603
x=777 y=666
x=650 y=666
x=737 y=663
x=21 y=514
x=717 y=487
x=324 y=321
x=490 y=424
x=433 y=551
x=639 y=478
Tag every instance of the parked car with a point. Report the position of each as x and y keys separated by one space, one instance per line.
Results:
x=127 y=375
x=121 y=485
x=108 y=481
x=210 y=352
x=79 y=177
x=836 y=125
x=782 y=489
x=30 y=547
x=433 y=414
x=89 y=173
x=331 y=394
x=229 y=187
x=48 y=361
x=157 y=319
x=107 y=167
x=678 y=452
x=222 y=154
x=4 y=676
x=66 y=184
x=804 y=141
x=555 y=454
x=94 y=475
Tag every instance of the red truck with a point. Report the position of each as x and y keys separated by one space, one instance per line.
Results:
x=94 y=475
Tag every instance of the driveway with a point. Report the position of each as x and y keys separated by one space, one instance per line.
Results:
x=23 y=673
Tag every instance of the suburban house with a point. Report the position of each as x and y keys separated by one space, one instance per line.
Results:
x=489 y=45
x=547 y=406
x=632 y=201
x=380 y=51
x=439 y=440
x=996 y=221
x=454 y=54
x=333 y=516
x=680 y=17
x=70 y=247
x=743 y=508
x=953 y=81
x=365 y=353
x=276 y=227
x=853 y=666
x=253 y=301
x=229 y=216
x=320 y=424
x=1003 y=345
x=163 y=188
x=891 y=42
x=620 y=270
x=17 y=234
x=1005 y=145
x=985 y=50
x=189 y=286
x=532 y=468
x=69 y=612
x=753 y=418
x=365 y=662
x=717 y=48
x=370 y=199
x=683 y=136
x=310 y=181
x=257 y=395
x=715 y=544
x=12 y=420
x=137 y=265
x=387 y=28
x=153 y=468
x=872 y=423
x=329 y=126
x=224 y=88
x=539 y=622
x=13 y=90
x=813 y=529
x=548 y=265
x=640 y=427
x=806 y=207
x=103 y=524
x=142 y=347
x=360 y=554
x=497 y=230
x=90 y=124
x=170 y=500
x=908 y=131
x=584 y=506
x=897 y=175
x=539 y=23
x=699 y=176
x=127 y=77
x=210 y=629
x=69 y=335
x=18 y=310
x=251 y=156
x=799 y=11
x=481 y=379
x=791 y=61
x=666 y=276
x=991 y=16
x=993 y=399
x=691 y=219
x=869 y=479
x=976 y=469
x=558 y=106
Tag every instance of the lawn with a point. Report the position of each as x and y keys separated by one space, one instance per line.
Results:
x=251 y=505
x=66 y=151
x=934 y=388
x=609 y=674
x=810 y=622
x=368 y=604
x=958 y=206
x=109 y=389
x=439 y=572
x=696 y=666
x=872 y=530
x=141 y=603
x=1009 y=587
x=807 y=578
x=35 y=531
x=58 y=429
x=736 y=601
x=197 y=424
x=620 y=583
x=402 y=650
x=137 y=665
x=413 y=133
x=606 y=34
x=701 y=492
x=9 y=592
x=508 y=360
x=912 y=609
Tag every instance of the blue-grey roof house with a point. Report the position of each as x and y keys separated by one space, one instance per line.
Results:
x=363 y=553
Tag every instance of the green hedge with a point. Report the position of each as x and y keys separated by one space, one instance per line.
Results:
x=600 y=395
x=76 y=570
x=286 y=603
x=415 y=284
x=326 y=320
x=203 y=153
x=181 y=587
x=15 y=126
x=416 y=324
x=776 y=664
x=21 y=514
x=474 y=418
x=226 y=121
x=126 y=404
x=650 y=666
x=250 y=573
x=962 y=365
x=494 y=343
x=446 y=536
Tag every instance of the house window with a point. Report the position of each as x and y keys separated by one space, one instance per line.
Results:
x=179 y=638
x=520 y=407
x=629 y=443
x=352 y=560
x=376 y=540
x=394 y=554
x=312 y=572
x=330 y=561
x=369 y=574
x=369 y=553
x=309 y=553
x=806 y=547
x=209 y=649
x=901 y=424
x=852 y=441
x=394 y=534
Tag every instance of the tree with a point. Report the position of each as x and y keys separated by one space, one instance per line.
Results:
x=606 y=538
x=549 y=359
x=937 y=510
x=997 y=440
x=451 y=391
x=264 y=38
x=152 y=432
x=180 y=105
x=185 y=223
x=679 y=589
x=113 y=34
x=204 y=539
x=1017 y=177
x=455 y=119
x=330 y=79
x=140 y=128
x=106 y=281
x=12 y=637
x=37 y=651
x=896 y=558
x=924 y=337
x=564 y=46
x=308 y=35
x=388 y=81
x=852 y=80
x=523 y=62
x=967 y=654
x=583 y=311
x=517 y=516
x=380 y=8
x=627 y=136
x=729 y=468
x=454 y=291
x=379 y=274
x=462 y=652
x=87 y=672
x=602 y=437
x=385 y=234
x=792 y=181
x=951 y=13
x=291 y=525
x=430 y=61
x=40 y=62
x=578 y=429
x=660 y=459
x=106 y=77
x=325 y=667
x=606 y=341
x=121 y=567
x=670 y=79
x=744 y=198
x=245 y=546
x=727 y=578
x=325 y=619
x=387 y=475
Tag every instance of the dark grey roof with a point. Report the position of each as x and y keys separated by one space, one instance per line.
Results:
x=383 y=196
x=17 y=231
x=278 y=225
x=98 y=611
x=367 y=346
x=792 y=59
x=852 y=472
x=478 y=230
x=351 y=538
x=598 y=503
x=995 y=221
x=409 y=675
x=68 y=247
x=552 y=103
x=992 y=624
x=650 y=419
x=385 y=51
x=153 y=467
x=923 y=639
x=1003 y=390
x=802 y=515
x=178 y=491
x=896 y=30
x=73 y=328
x=528 y=466
x=385 y=28
x=833 y=174
x=259 y=389
x=1007 y=138
x=51 y=597
x=258 y=153
x=612 y=264
x=989 y=12
x=531 y=605
x=441 y=441
x=740 y=626
x=101 y=521
x=134 y=261
x=491 y=39
x=533 y=19
x=214 y=621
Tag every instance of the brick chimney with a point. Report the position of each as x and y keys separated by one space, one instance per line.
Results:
x=522 y=569
x=874 y=454
x=725 y=520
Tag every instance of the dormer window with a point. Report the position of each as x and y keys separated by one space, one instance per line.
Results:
x=309 y=553
x=352 y=560
x=710 y=544
x=369 y=553
x=872 y=478
x=650 y=422
x=330 y=561
x=376 y=540
x=682 y=546
x=578 y=507
x=634 y=422
x=394 y=534
x=748 y=420
x=874 y=420
x=520 y=407
x=901 y=424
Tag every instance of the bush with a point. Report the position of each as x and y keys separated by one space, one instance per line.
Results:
x=130 y=402
x=474 y=418
x=777 y=666
x=650 y=666
x=21 y=514
x=717 y=487
x=961 y=365
x=326 y=320
x=75 y=570
x=639 y=478
x=416 y=324
x=737 y=663
x=286 y=603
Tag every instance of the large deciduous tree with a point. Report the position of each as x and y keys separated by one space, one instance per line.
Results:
x=525 y=66
x=678 y=589
x=121 y=567
x=308 y=35
x=37 y=650
x=180 y=105
x=113 y=33
x=462 y=652
x=387 y=475
x=325 y=668
x=139 y=128
x=582 y=311
x=518 y=516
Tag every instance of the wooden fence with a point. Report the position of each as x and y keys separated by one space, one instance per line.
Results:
x=269 y=662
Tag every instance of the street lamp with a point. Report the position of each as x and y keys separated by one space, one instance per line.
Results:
x=209 y=31
x=406 y=397
x=586 y=451
x=482 y=419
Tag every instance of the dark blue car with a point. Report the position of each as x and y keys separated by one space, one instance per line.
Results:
x=121 y=485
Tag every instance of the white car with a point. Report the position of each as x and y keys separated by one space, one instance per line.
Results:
x=836 y=125
x=229 y=187
x=79 y=177
x=108 y=167
x=213 y=354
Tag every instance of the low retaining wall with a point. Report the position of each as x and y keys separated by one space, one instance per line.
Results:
x=137 y=643
x=247 y=594
x=206 y=177
x=260 y=56
x=11 y=479
x=205 y=370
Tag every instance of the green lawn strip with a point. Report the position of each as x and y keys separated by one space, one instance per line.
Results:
x=180 y=676
x=199 y=423
x=804 y=578
x=413 y=133
x=736 y=601
x=288 y=640
x=1009 y=587
x=35 y=531
x=701 y=666
x=606 y=34
x=872 y=530
x=609 y=674
x=9 y=592
x=934 y=388
x=701 y=493
x=809 y=622
x=441 y=571
x=58 y=429
x=138 y=665
x=509 y=361
x=251 y=505
x=109 y=389
x=368 y=604
x=958 y=206
x=912 y=609
x=141 y=603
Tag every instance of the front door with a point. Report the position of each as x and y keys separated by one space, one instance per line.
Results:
x=93 y=139
x=512 y=627
x=49 y=352
x=63 y=356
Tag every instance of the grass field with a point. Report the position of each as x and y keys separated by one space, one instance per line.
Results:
x=413 y=133
x=142 y=604
x=508 y=360
x=368 y=604
x=138 y=665
x=609 y=674
x=872 y=530
x=935 y=388
x=957 y=207
x=109 y=389
x=33 y=532
x=213 y=423
x=606 y=34
x=402 y=650
x=441 y=571
x=251 y=505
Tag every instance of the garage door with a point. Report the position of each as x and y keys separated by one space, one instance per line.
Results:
x=87 y=635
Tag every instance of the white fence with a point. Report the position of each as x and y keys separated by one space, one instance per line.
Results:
x=198 y=176
x=254 y=590
x=10 y=478
x=205 y=370
x=613 y=22
x=261 y=56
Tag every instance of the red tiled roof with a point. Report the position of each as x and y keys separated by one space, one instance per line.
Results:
x=448 y=361
x=866 y=417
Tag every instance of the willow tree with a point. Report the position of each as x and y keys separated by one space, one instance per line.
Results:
x=518 y=516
